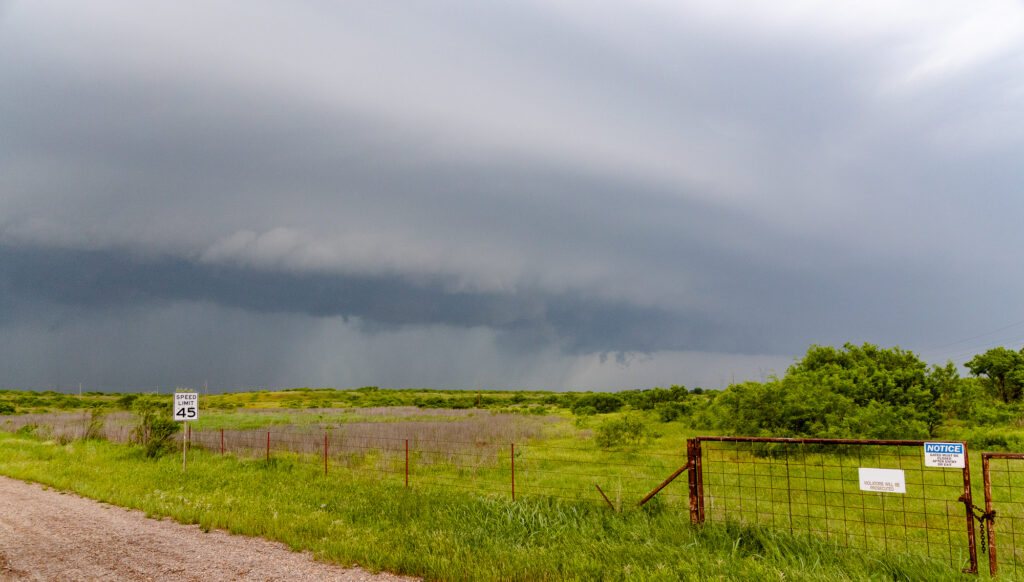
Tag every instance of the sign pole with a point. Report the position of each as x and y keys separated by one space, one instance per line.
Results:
x=186 y=407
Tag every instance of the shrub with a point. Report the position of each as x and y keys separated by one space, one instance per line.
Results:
x=650 y=399
x=603 y=403
x=27 y=430
x=125 y=402
x=155 y=427
x=669 y=411
x=617 y=431
x=95 y=427
x=6 y=408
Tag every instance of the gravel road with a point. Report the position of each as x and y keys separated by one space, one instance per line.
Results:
x=48 y=535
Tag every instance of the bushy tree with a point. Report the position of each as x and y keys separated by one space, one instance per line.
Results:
x=1003 y=370
x=857 y=391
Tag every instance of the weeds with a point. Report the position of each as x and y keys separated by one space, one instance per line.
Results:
x=94 y=430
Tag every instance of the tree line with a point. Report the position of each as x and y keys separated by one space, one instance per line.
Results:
x=870 y=392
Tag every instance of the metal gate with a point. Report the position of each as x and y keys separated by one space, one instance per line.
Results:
x=1003 y=476
x=817 y=487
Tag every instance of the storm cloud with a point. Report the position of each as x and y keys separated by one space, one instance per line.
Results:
x=558 y=195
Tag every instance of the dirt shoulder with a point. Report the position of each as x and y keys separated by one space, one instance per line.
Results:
x=49 y=535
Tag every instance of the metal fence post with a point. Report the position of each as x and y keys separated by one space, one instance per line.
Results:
x=990 y=526
x=406 y=463
x=222 y=441
x=699 y=470
x=325 y=455
x=969 y=505
x=513 y=445
x=268 y=445
x=691 y=463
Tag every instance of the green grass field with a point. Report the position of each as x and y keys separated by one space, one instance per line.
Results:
x=458 y=520
x=435 y=532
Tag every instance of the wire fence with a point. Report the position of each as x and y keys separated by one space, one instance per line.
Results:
x=867 y=495
x=515 y=470
x=860 y=494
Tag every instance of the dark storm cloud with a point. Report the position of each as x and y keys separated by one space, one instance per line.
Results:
x=528 y=319
x=101 y=280
x=566 y=179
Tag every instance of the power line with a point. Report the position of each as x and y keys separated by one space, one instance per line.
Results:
x=981 y=335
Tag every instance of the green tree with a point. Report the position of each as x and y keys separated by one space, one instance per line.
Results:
x=856 y=391
x=1003 y=370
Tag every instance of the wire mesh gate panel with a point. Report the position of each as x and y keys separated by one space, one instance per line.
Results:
x=814 y=487
x=1003 y=475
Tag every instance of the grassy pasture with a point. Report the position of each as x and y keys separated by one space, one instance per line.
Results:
x=462 y=459
x=435 y=532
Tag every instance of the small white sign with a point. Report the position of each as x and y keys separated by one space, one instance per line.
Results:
x=186 y=405
x=882 y=480
x=947 y=455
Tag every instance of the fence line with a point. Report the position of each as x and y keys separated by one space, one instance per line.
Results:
x=513 y=469
x=800 y=486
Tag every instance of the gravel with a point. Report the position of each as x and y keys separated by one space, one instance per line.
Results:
x=51 y=535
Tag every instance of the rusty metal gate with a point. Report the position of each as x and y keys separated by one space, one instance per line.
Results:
x=862 y=494
x=1003 y=476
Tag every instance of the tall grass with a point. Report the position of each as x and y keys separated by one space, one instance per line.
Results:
x=66 y=426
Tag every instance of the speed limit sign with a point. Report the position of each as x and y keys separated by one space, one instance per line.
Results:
x=186 y=406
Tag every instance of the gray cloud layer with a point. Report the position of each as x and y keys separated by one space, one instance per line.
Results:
x=553 y=182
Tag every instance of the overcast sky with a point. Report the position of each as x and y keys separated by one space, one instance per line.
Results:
x=528 y=194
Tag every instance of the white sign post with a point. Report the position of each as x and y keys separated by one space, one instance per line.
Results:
x=882 y=480
x=945 y=455
x=186 y=408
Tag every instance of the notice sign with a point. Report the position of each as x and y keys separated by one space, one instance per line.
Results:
x=186 y=405
x=882 y=480
x=948 y=455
